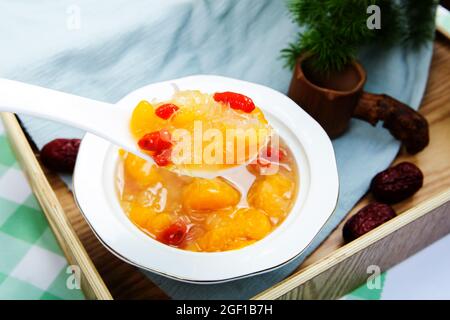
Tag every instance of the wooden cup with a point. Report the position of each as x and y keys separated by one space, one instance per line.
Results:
x=329 y=99
x=333 y=99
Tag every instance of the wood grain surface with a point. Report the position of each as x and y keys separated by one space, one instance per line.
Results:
x=404 y=232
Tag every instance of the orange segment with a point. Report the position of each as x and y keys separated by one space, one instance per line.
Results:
x=183 y=118
x=159 y=223
x=141 y=170
x=254 y=223
x=141 y=216
x=144 y=120
x=209 y=194
x=273 y=194
x=245 y=227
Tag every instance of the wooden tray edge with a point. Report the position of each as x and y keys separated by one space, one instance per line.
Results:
x=91 y=282
x=354 y=247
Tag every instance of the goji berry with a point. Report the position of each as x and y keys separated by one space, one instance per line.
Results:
x=277 y=154
x=165 y=111
x=263 y=162
x=162 y=158
x=270 y=155
x=235 y=100
x=174 y=234
x=155 y=141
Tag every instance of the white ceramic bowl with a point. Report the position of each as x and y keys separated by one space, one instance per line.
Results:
x=94 y=188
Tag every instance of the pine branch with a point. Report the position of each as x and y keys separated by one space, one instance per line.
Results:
x=336 y=29
x=291 y=54
x=419 y=19
x=393 y=25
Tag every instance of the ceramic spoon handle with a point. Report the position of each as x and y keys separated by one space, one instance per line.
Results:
x=54 y=105
x=100 y=118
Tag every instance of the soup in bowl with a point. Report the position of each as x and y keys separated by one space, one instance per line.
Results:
x=199 y=214
x=212 y=230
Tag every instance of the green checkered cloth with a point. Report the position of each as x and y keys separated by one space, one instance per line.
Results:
x=32 y=265
x=364 y=292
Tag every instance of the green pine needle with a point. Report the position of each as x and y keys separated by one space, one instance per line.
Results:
x=419 y=21
x=336 y=29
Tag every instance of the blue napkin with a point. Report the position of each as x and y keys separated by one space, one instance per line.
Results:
x=104 y=50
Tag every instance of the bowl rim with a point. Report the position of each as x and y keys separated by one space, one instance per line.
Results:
x=130 y=244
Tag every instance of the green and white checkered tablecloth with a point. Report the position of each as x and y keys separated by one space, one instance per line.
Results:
x=32 y=265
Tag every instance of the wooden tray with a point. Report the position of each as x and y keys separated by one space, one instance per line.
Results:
x=331 y=271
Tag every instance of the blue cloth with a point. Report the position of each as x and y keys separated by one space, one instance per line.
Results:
x=123 y=45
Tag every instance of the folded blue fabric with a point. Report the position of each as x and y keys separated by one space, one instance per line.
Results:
x=120 y=47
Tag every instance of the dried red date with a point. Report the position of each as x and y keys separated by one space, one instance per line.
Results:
x=397 y=183
x=366 y=219
x=60 y=154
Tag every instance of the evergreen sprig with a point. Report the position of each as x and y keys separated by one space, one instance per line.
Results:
x=336 y=29
x=419 y=21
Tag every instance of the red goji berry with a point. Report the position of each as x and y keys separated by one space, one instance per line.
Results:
x=162 y=158
x=174 y=234
x=263 y=162
x=155 y=141
x=165 y=111
x=274 y=153
x=271 y=155
x=235 y=100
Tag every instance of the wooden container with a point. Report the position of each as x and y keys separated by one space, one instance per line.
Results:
x=332 y=99
x=329 y=99
x=331 y=271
